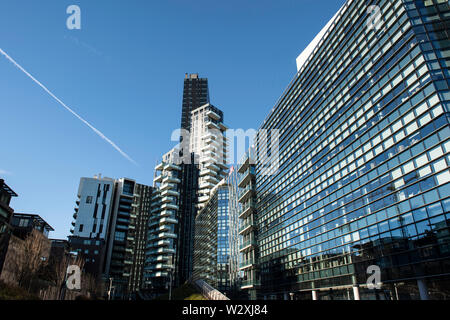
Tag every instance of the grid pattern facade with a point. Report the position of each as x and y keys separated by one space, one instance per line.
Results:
x=363 y=153
x=212 y=243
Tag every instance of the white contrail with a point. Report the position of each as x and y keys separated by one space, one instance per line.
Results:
x=4 y=172
x=67 y=108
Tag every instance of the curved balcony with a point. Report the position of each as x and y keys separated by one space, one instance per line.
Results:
x=167 y=213
x=203 y=199
x=206 y=185
x=172 y=167
x=166 y=193
x=212 y=179
x=168 y=199
x=212 y=166
x=212 y=125
x=249 y=284
x=213 y=115
x=163 y=243
x=158 y=229
x=222 y=165
x=168 y=186
x=167 y=235
x=168 y=221
x=162 y=258
x=223 y=127
x=159 y=275
x=166 y=206
x=170 y=179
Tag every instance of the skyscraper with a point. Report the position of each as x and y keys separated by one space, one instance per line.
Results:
x=363 y=177
x=186 y=176
x=195 y=95
x=198 y=154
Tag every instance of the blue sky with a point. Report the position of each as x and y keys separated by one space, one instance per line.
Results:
x=123 y=72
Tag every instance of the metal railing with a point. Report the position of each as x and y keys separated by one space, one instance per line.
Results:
x=209 y=292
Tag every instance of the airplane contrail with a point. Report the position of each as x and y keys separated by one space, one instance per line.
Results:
x=101 y=135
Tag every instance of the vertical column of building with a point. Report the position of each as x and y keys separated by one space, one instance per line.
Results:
x=195 y=94
x=205 y=244
x=163 y=226
x=234 y=209
x=209 y=145
x=141 y=211
x=212 y=244
x=223 y=242
x=122 y=237
x=248 y=229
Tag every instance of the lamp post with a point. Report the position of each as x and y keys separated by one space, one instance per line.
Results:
x=110 y=288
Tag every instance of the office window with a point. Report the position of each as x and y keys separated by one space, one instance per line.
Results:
x=23 y=223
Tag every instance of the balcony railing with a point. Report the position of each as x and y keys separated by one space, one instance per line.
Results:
x=250 y=283
x=247 y=243
x=247 y=209
x=247 y=263
x=246 y=224
x=246 y=174
x=243 y=191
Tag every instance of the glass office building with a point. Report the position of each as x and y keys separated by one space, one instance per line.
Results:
x=363 y=176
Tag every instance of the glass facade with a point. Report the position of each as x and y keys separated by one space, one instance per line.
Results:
x=363 y=160
x=212 y=243
x=234 y=209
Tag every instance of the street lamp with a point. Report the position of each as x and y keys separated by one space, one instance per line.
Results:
x=110 y=288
